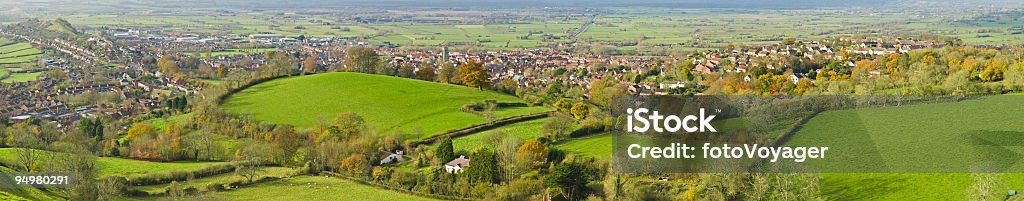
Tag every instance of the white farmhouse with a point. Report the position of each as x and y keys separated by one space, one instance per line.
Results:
x=457 y=165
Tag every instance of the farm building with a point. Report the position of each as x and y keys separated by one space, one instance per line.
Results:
x=457 y=165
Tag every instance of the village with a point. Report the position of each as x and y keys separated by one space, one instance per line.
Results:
x=138 y=82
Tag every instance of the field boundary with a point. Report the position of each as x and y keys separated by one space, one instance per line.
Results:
x=482 y=127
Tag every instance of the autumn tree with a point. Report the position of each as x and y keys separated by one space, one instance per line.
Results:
x=994 y=69
x=347 y=124
x=557 y=127
x=309 y=65
x=448 y=74
x=530 y=153
x=140 y=129
x=406 y=70
x=957 y=82
x=802 y=86
x=473 y=74
x=769 y=84
x=563 y=105
x=361 y=59
x=167 y=65
x=1015 y=74
x=603 y=91
x=284 y=137
x=279 y=64
x=355 y=164
x=580 y=110
x=426 y=72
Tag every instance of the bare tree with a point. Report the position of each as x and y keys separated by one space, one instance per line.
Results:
x=200 y=146
x=78 y=161
x=27 y=154
x=249 y=159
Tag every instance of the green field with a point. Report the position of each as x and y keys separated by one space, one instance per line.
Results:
x=229 y=25
x=622 y=29
x=526 y=130
x=221 y=178
x=22 y=77
x=386 y=103
x=598 y=146
x=125 y=167
x=161 y=123
x=315 y=188
x=489 y=36
x=120 y=166
x=917 y=137
x=16 y=53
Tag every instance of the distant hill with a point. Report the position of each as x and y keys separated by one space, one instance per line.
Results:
x=314 y=4
x=63 y=26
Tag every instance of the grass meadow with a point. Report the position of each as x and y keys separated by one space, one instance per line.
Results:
x=17 y=53
x=416 y=108
x=527 y=130
x=22 y=77
x=945 y=138
x=124 y=167
x=315 y=188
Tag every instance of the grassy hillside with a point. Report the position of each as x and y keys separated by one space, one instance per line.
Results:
x=121 y=166
x=386 y=103
x=22 y=77
x=314 y=188
x=14 y=53
x=918 y=137
x=27 y=193
x=526 y=130
x=598 y=146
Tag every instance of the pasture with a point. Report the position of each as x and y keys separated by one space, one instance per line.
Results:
x=416 y=108
x=598 y=146
x=17 y=53
x=250 y=23
x=918 y=151
x=124 y=167
x=315 y=188
x=623 y=29
x=488 y=36
x=200 y=183
x=22 y=77
x=27 y=193
x=527 y=130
